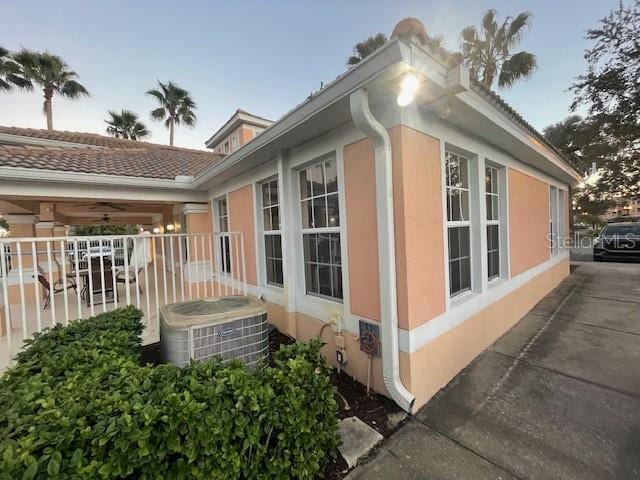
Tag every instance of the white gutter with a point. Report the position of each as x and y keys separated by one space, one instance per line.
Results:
x=364 y=120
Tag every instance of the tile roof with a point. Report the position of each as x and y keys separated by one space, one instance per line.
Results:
x=99 y=154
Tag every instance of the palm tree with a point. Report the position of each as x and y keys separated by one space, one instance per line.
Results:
x=53 y=75
x=490 y=55
x=126 y=125
x=176 y=106
x=10 y=73
x=366 y=47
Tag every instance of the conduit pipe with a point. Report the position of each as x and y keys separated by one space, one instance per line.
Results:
x=367 y=123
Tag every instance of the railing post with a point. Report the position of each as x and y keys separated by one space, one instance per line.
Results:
x=244 y=266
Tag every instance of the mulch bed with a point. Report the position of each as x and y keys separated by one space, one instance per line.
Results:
x=377 y=411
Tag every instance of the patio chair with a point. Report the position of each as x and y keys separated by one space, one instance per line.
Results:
x=58 y=287
x=139 y=256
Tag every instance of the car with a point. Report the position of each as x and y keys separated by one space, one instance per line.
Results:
x=618 y=241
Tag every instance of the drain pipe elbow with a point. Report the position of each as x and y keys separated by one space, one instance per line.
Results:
x=367 y=123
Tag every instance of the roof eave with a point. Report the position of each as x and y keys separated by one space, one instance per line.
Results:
x=372 y=66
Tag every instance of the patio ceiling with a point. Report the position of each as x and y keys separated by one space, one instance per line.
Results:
x=90 y=211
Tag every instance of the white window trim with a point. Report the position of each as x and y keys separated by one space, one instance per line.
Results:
x=227 y=276
x=502 y=222
x=455 y=297
x=262 y=254
x=480 y=284
x=300 y=231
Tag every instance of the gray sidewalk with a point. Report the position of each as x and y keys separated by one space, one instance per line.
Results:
x=558 y=396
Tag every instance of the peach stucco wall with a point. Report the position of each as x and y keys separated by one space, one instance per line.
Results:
x=418 y=225
x=241 y=211
x=528 y=221
x=435 y=364
x=362 y=247
x=196 y=223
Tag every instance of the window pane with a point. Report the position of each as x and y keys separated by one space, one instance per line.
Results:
x=268 y=246
x=493 y=264
x=266 y=219
x=310 y=248
x=453 y=171
x=224 y=224
x=307 y=214
x=453 y=203
x=332 y=176
x=454 y=243
x=465 y=274
x=324 y=279
x=324 y=253
x=317 y=179
x=305 y=185
x=489 y=208
x=495 y=209
x=464 y=173
x=336 y=254
x=265 y=194
x=459 y=260
x=454 y=277
x=465 y=247
x=311 y=277
x=333 y=210
x=277 y=246
x=279 y=279
x=275 y=218
x=492 y=237
x=337 y=282
x=464 y=205
x=319 y=212
x=273 y=191
x=222 y=207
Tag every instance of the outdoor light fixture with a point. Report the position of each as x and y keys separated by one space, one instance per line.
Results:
x=4 y=232
x=170 y=227
x=408 y=89
x=156 y=229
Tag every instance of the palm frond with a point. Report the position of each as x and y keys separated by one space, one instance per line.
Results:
x=73 y=90
x=158 y=114
x=519 y=66
x=517 y=29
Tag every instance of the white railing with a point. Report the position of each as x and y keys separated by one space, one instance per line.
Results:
x=45 y=281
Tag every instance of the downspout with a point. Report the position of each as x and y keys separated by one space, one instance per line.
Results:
x=365 y=121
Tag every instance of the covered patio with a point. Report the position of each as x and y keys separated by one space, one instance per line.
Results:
x=55 y=266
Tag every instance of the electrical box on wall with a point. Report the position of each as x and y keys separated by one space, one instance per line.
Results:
x=369 y=338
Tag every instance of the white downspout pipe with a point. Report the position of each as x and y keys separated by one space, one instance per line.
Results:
x=365 y=121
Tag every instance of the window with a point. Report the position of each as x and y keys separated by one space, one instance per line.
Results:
x=320 y=230
x=492 y=193
x=223 y=227
x=458 y=223
x=271 y=232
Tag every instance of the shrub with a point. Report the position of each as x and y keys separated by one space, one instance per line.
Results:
x=79 y=405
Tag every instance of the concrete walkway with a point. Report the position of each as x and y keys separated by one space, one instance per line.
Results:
x=558 y=396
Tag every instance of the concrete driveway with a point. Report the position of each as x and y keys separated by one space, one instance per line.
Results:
x=558 y=396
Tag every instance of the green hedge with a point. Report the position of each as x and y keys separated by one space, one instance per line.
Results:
x=79 y=405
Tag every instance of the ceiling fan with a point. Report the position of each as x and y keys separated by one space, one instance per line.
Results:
x=121 y=207
x=105 y=218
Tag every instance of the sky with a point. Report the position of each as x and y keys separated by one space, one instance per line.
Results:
x=264 y=56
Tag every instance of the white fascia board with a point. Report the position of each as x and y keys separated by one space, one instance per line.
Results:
x=43 y=183
x=36 y=174
x=430 y=68
x=375 y=64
